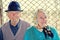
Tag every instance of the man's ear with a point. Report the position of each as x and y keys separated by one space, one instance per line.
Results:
x=7 y=14
x=20 y=14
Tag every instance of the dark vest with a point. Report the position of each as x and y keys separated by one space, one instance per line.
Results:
x=8 y=35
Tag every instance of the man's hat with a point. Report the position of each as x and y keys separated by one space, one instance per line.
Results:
x=14 y=6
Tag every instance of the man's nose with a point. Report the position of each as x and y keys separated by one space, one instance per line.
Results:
x=13 y=14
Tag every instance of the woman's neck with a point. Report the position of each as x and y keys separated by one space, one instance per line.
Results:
x=39 y=28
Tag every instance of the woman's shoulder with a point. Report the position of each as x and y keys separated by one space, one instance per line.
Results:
x=52 y=28
x=31 y=28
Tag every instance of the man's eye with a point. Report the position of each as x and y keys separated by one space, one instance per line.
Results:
x=41 y=18
x=45 y=17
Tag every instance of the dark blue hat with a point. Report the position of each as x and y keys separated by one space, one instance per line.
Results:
x=14 y=6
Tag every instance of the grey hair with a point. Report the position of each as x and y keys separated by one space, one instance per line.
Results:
x=39 y=10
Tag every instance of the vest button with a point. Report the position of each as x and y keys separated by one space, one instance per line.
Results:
x=14 y=39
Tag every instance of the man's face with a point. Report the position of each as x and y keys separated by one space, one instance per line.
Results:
x=42 y=19
x=13 y=15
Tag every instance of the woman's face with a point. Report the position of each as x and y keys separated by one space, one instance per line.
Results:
x=14 y=15
x=42 y=19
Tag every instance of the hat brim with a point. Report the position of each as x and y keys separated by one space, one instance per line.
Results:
x=13 y=10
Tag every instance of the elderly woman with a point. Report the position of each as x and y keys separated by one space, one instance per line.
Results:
x=42 y=31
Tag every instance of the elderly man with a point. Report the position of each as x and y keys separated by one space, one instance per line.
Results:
x=15 y=28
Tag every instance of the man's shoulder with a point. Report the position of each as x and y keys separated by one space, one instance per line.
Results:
x=24 y=22
x=5 y=24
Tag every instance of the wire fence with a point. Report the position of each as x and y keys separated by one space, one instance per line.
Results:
x=30 y=7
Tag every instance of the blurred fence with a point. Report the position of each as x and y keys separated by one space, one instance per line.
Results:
x=51 y=8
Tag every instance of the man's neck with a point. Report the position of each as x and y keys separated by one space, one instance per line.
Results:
x=14 y=23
